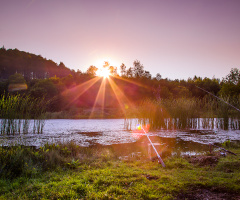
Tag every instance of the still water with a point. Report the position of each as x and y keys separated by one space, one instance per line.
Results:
x=86 y=132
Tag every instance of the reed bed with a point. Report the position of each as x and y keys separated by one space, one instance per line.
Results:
x=16 y=112
x=185 y=113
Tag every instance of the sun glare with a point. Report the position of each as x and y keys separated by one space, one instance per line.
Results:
x=103 y=72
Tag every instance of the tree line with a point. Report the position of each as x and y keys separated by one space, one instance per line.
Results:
x=25 y=73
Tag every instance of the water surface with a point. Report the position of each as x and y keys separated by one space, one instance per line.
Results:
x=86 y=132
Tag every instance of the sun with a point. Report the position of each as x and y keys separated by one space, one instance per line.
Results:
x=103 y=72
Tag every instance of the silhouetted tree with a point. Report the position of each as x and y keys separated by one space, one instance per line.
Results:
x=123 y=70
x=233 y=76
x=113 y=70
x=92 y=70
x=158 y=76
x=138 y=69
x=231 y=84
x=130 y=73
x=147 y=75
x=3 y=48
x=106 y=64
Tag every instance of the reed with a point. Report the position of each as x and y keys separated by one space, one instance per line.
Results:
x=16 y=112
x=185 y=113
x=168 y=113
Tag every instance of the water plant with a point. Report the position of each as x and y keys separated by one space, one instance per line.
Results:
x=16 y=112
x=184 y=113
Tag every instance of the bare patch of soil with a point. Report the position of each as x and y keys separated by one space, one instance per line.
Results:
x=203 y=160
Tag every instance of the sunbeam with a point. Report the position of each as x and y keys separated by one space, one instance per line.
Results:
x=133 y=82
x=74 y=93
x=100 y=98
x=121 y=98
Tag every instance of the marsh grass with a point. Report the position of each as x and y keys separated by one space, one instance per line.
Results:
x=16 y=112
x=186 y=113
x=67 y=171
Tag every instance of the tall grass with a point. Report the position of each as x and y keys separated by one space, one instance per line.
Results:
x=185 y=113
x=167 y=114
x=18 y=161
x=16 y=112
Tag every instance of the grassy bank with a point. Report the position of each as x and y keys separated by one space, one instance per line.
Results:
x=67 y=171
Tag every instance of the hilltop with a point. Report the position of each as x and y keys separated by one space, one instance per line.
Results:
x=31 y=66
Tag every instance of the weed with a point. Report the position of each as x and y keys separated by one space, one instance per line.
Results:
x=16 y=112
x=184 y=113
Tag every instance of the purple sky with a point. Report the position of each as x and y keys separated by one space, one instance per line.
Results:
x=176 y=38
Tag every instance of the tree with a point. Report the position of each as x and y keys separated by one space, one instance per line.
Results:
x=3 y=48
x=229 y=90
x=147 y=75
x=233 y=76
x=130 y=73
x=79 y=72
x=68 y=81
x=16 y=78
x=138 y=69
x=44 y=88
x=165 y=93
x=123 y=70
x=106 y=64
x=92 y=70
x=158 y=77
x=231 y=84
x=113 y=70
x=61 y=65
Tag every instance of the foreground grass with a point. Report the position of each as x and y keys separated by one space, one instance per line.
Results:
x=104 y=176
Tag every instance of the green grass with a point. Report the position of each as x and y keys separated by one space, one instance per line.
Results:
x=66 y=171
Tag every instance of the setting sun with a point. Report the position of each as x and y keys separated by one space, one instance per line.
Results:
x=103 y=72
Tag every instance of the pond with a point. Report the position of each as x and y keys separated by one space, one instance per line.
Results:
x=86 y=132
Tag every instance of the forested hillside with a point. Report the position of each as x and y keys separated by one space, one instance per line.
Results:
x=29 y=65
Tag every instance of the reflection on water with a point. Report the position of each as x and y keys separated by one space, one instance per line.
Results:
x=196 y=123
x=112 y=131
x=165 y=147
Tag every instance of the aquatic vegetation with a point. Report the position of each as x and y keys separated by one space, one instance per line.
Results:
x=186 y=113
x=16 y=112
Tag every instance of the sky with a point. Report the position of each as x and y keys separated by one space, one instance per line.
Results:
x=176 y=38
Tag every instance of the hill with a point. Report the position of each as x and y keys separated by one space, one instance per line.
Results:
x=31 y=66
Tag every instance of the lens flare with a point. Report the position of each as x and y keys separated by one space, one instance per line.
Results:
x=17 y=87
x=140 y=131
